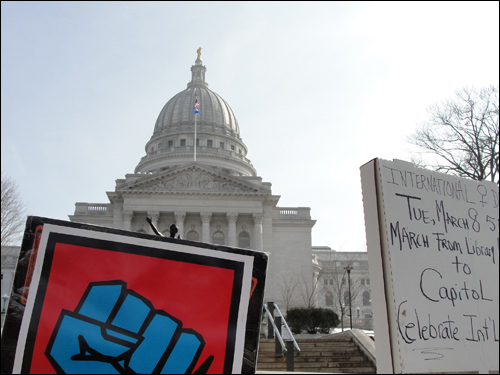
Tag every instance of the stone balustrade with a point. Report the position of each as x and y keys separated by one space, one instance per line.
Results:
x=99 y=209
x=293 y=213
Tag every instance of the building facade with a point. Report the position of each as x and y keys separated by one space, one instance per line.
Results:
x=206 y=185
x=332 y=285
x=10 y=255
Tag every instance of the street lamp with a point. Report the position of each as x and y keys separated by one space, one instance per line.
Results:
x=342 y=317
x=348 y=269
x=5 y=297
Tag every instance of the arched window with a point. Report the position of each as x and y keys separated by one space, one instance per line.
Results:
x=193 y=236
x=366 y=298
x=218 y=238
x=329 y=299
x=244 y=240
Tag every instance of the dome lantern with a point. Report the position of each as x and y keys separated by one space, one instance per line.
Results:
x=198 y=71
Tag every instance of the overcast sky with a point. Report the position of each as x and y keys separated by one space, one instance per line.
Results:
x=318 y=90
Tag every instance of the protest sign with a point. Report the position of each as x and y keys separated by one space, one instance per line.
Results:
x=89 y=299
x=432 y=242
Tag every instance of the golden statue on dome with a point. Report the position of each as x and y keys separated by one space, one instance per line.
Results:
x=199 y=53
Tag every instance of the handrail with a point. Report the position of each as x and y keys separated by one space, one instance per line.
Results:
x=288 y=328
x=276 y=331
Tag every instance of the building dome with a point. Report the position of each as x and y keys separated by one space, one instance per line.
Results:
x=217 y=132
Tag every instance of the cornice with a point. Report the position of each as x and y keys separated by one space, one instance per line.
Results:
x=292 y=223
x=258 y=197
x=167 y=155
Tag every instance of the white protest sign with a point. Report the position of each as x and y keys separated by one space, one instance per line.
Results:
x=433 y=243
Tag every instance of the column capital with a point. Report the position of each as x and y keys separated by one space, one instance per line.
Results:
x=117 y=200
x=179 y=216
x=232 y=217
x=154 y=215
x=127 y=215
x=205 y=217
x=257 y=218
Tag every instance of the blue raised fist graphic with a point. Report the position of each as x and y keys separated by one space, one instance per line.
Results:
x=114 y=330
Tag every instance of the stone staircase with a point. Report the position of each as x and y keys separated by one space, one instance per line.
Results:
x=334 y=354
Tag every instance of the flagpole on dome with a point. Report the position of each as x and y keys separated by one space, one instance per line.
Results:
x=196 y=103
x=195 y=111
x=194 y=114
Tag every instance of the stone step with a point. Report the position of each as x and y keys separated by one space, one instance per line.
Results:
x=353 y=358
x=338 y=354
x=323 y=368
x=330 y=364
x=308 y=346
x=316 y=352
x=336 y=338
x=301 y=359
x=317 y=362
x=330 y=339
x=357 y=370
x=323 y=355
x=331 y=344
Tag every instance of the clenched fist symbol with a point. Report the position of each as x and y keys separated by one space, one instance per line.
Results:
x=114 y=330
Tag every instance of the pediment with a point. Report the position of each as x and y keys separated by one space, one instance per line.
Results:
x=192 y=179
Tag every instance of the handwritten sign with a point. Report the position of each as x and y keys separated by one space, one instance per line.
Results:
x=433 y=243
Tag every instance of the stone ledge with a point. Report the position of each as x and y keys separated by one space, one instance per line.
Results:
x=365 y=343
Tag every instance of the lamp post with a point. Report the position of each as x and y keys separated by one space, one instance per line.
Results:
x=5 y=297
x=348 y=269
x=342 y=317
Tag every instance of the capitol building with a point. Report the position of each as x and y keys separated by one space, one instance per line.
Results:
x=206 y=185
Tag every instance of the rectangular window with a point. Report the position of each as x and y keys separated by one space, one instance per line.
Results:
x=197 y=142
x=326 y=281
x=331 y=281
x=367 y=281
x=362 y=281
x=210 y=143
x=222 y=145
x=183 y=142
x=170 y=143
x=232 y=148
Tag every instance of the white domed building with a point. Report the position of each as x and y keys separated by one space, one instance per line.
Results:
x=213 y=195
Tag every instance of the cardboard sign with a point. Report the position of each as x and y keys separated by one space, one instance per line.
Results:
x=433 y=243
x=101 y=300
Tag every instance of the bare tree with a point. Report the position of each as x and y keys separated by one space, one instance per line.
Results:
x=12 y=212
x=309 y=290
x=333 y=269
x=463 y=134
x=287 y=286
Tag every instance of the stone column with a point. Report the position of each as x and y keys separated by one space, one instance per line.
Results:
x=127 y=219
x=232 y=218
x=257 y=231
x=179 y=221
x=205 y=226
x=154 y=215
x=117 y=212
